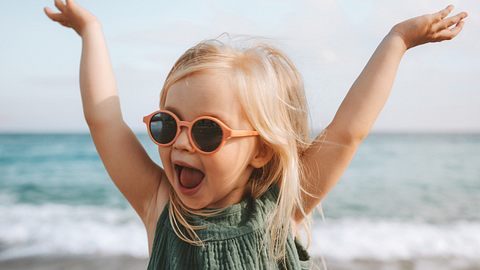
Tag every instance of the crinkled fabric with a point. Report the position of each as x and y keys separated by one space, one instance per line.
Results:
x=232 y=240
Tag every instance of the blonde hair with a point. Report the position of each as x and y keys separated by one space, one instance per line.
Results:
x=271 y=93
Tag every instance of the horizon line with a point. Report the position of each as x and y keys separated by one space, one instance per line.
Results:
x=136 y=132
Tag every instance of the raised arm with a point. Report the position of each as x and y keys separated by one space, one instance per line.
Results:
x=124 y=158
x=332 y=151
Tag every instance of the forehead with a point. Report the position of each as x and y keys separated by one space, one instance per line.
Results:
x=206 y=93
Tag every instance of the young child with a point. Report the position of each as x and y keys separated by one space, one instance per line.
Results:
x=240 y=172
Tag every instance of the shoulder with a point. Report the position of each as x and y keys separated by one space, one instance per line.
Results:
x=156 y=208
x=160 y=200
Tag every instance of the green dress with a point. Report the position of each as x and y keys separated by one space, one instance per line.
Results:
x=232 y=240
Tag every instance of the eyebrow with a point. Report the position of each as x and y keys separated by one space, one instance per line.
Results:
x=204 y=114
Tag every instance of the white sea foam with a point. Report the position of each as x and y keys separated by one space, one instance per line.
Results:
x=27 y=230
x=349 y=239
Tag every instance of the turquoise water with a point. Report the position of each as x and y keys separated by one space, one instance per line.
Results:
x=431 y=177
x=411 y=186
x=54 y=168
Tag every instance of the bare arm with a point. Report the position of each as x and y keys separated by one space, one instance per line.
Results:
x=97 y=81
x=370 y=91
x=329 y=156
x=124 y=158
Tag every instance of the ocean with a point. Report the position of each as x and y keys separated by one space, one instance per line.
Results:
x=407 y=201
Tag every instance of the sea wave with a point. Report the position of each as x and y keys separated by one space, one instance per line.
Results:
x=55 y=229
x=52 y=229
x=357 y=239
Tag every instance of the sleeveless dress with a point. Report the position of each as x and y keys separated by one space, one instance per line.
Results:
x=232 y=240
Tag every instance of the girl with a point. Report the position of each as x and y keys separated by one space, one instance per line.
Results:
x=242 y=175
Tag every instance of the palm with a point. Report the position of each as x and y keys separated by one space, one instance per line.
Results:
x=430 y=27
x=71 y=15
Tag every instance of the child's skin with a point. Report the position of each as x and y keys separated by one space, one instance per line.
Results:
x=144 y=183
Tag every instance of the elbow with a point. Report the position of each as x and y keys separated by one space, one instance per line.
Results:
x=345 y=136
x=358 y=137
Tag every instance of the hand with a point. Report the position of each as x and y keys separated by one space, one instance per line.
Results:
x=429 y=28
x=71 y=15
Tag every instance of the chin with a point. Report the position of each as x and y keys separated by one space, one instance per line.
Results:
x=195 y=207
x=190 y=203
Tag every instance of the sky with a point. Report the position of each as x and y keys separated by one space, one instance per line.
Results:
x=436 y=88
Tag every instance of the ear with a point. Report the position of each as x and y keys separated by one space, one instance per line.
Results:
x=263 y=155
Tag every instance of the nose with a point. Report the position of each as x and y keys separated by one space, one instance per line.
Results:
x=182 y=142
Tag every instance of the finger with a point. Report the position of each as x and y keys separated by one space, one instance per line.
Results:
x=65 y=24
x=446 y=23
x=450 y=33
x=53 y=16
x=443 y=13
x=60 y=5
x=70 y=3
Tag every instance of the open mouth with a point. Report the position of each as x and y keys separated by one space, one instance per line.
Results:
x=189 y=178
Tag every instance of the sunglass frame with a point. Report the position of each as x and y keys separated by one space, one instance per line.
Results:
x=227 y=132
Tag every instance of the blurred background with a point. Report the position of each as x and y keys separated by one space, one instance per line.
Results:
x=409 y=199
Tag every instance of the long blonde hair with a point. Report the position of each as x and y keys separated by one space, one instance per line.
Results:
x=271 y=93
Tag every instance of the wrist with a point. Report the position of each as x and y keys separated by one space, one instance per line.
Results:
x=397 y=38
x=89 y=26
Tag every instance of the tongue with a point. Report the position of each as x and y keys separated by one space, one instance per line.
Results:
x=190 y=178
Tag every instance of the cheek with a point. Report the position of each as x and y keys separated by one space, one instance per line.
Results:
x=231 y=161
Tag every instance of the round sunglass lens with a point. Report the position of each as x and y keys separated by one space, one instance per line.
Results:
x=207 y=135
x=163 y=128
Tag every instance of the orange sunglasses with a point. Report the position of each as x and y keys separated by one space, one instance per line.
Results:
x=206 y=134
